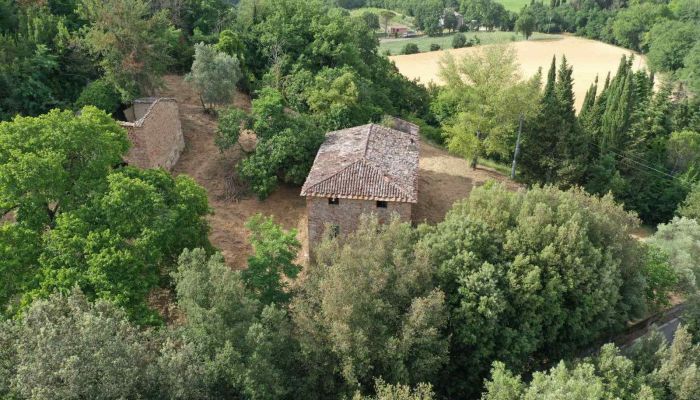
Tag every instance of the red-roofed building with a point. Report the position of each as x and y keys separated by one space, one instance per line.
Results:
x=361 y=170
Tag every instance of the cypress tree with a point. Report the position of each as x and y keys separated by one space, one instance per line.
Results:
x=589 y=99
x=554 y=151
x=538 y=160
x=572 y=149
x=618 y=107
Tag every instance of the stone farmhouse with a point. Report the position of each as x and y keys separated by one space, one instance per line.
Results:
x=362 y=170
x=155 y=133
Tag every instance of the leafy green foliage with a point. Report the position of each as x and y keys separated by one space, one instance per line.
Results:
x=678 y=239
x=371 y=19
x=484 y=96
x=229 y=127
x=459 y=41
x=121 y=259
x=691 y=315
x=525 y=24
x=100 y=94
x=214 y=75
x=650 y=370
x=131 y=44
x=286 y=148
x=367 y=308
x=690 y=208
x=691 y=71
x=627 y=140
x=19 y=252
x=54 y=162
x=669 y=44
x=386 y=391
x=661 y=279
x=487 y=13
x=315 y=69
x=410 y=48
x=272 y=262
x=69 y=208
x=69 y=348
x=40 y=65
x=246 y=349
x=632 y=23
x=531 y=276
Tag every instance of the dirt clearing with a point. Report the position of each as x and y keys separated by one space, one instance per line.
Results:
x=443 y=179
x=588 y=57
x=203 y=161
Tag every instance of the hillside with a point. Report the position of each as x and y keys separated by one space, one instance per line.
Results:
x=443 y=179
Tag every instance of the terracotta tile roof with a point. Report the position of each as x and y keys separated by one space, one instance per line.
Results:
x=369 y=162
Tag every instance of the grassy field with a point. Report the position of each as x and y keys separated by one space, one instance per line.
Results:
x=396 y=45
x=513 y=5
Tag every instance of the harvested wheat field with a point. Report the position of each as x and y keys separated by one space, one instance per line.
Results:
x=443 y=179
x=588 y=57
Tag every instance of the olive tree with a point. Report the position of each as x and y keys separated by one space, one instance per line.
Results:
x=214 y=75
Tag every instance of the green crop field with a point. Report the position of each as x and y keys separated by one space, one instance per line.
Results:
x=445 y=42
x=513 y=5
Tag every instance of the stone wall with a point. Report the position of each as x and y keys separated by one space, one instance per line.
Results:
x=156 y=136
x=346 y=215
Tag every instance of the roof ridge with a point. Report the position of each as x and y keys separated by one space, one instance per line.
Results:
x=336 y=173
x=392 y=181
x=370 y=127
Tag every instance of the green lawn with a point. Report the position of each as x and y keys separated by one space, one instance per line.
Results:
x=396 y=45
x=513 y=5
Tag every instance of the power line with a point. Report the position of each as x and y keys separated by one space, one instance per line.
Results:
x=650 y=168
x=640 y=159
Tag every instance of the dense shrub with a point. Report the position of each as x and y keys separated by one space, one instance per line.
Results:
x=410 y=48
x=434 y=47
x=229 y=129
x=531 y=276
x=458 y=41
x=100 y=94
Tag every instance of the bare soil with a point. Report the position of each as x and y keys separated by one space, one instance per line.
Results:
x=443 y=179
x=588 y=57
x=203 y=161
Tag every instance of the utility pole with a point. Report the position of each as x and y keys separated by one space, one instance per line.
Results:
x=476 y=152
x=517 y=148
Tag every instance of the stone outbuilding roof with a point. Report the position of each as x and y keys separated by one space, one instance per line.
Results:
x=368 y=162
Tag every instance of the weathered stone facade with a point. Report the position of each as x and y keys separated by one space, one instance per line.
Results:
x=155 y=133
x=346 y=215
x=368 y=169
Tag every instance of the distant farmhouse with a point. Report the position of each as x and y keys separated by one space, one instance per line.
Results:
x=398 y=30
x=155 y=133
x=362 y=170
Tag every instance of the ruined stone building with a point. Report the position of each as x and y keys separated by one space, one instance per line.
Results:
x=362 y=170
x=155 y=133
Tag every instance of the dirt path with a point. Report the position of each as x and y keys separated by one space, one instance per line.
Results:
x=443 y=179
x=588 y=57
x=203 y=161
